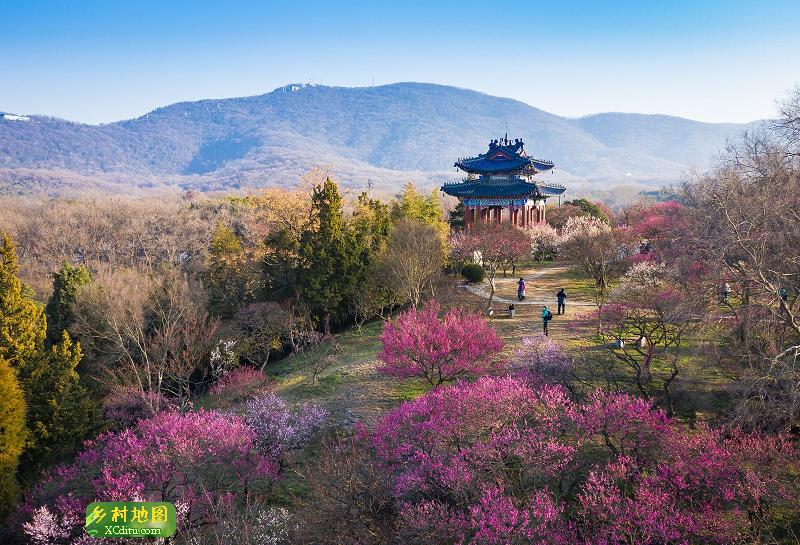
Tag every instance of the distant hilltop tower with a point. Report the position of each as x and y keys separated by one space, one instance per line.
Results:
x=504 y=189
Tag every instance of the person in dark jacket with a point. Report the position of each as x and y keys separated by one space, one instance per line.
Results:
x=521 y=289
x=561 y=297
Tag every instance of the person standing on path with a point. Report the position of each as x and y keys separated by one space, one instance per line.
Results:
x=546 y=317
x=561 y=297
x=521 y=289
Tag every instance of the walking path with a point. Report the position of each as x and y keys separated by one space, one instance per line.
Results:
x=537 y=294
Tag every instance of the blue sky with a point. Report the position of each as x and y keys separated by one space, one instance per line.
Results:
x=100 y=61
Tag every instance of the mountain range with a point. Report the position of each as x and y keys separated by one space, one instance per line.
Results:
x=379 y=136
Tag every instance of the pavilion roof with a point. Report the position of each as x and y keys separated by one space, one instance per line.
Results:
x=504 y=157
x=501 y=187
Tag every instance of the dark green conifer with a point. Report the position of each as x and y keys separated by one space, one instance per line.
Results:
x=59 y=310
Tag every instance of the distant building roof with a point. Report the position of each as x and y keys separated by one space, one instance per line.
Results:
x=14 y=117
x=504 y=157
x=501 y=188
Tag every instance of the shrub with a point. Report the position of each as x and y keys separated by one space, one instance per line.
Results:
x=472 y=272
x=279 y=429
x=239 y=384
x=419 y=344
x=503 y=461
x=198 y=460
x=349 y=498
x=125 y=408
x=544 y=360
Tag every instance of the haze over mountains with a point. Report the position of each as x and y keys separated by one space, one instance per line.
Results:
x=386 y=135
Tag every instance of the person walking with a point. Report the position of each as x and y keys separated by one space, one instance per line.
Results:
x=561 y=297
x=546 y=317
x=521 y=289
x=725 y=291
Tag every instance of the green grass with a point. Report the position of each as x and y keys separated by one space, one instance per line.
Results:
x=352 y=389
x=576 y=281
x=294 y=374
x=410 y=389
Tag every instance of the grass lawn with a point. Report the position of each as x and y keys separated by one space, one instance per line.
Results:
x=349 y=386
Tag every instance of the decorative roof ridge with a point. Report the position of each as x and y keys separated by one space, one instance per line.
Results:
x=550 y=184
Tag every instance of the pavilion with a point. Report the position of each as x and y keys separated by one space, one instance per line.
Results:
x=500 y=186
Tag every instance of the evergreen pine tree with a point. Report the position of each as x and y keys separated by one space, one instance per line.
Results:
x=60 y=413
x=59 y=310
x=280 y=266
x=323 y=255
x=12 y=435
x=22 y=322
x=456 y=219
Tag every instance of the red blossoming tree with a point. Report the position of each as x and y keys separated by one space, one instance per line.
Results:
x=420 y=344
x=503 y=461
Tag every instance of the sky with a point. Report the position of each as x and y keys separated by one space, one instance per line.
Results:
x=102 y=61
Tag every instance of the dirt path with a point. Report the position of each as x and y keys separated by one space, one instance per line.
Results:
x=541 y=287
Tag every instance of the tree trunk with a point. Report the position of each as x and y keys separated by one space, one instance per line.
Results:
x=326 y=324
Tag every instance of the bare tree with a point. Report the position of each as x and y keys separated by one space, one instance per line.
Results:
x=145 y=332
x=413 y=258
x=262 y=329
x=748 y=230
x=645 y=326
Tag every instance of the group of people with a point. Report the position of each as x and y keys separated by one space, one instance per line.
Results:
x=547 y=315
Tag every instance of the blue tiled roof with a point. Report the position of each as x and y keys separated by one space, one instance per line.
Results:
x=550 y=190
x=503 y=157
x=501 y=187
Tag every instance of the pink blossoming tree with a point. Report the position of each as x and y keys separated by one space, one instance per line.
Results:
x=543 y=360
x=420 y=344
x=202 y=461
x=503 y=461
x=497 y=246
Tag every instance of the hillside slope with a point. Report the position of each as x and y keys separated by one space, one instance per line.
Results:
x=385 y=134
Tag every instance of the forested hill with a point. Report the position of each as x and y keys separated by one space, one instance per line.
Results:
x=387 y=134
